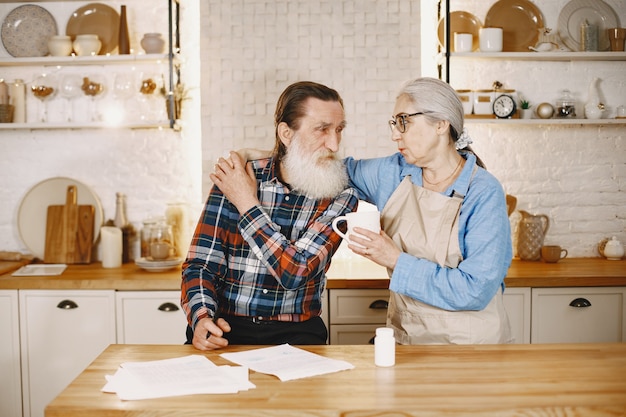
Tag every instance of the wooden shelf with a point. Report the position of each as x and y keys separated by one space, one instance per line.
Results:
x=153 y=124
x=542 y=56
x=546 y=121
x=82 y=60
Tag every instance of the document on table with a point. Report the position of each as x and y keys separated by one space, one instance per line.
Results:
x=287 y=362
x=193 y=374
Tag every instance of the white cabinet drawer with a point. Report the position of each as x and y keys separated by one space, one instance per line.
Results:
x=352 y=334
x=150 y=317
x=578 y=315
x=358 y=306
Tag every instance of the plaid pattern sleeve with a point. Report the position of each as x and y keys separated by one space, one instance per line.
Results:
x=268 y=262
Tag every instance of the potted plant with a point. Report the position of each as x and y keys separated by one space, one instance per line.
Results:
x=526 y=111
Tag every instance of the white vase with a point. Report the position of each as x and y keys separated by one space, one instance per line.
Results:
x=526 y=113
x=152 y=43
x=593 y=106
x=85 y=45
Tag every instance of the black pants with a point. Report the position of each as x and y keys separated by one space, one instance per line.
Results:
x=245 y=331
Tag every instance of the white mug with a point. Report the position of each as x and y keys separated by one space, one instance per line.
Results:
x=490 y=39
x=463 y=42
x=365 y=219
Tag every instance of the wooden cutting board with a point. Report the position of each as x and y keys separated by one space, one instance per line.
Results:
x=69 y=231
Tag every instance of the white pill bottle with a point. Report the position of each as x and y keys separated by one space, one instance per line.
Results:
x=384 y=347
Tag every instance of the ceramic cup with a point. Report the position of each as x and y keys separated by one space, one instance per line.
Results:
x=620 y=112
x=160 y=250
x=490 y=39
x=617 y=36
x=60 y=45
x=463 y=42
x=552 y=254
x=365 y=219
x=85 y=45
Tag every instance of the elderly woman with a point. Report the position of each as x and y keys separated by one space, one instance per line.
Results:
x=447 y=238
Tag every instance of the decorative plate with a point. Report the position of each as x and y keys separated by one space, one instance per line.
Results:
x=26 y=30
x=576 y=12
x=462 y=22
x=520 y=21
x=33 y=211
x=158 y=266
x=96 y=19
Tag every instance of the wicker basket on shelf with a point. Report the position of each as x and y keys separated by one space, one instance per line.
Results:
x=6 y=113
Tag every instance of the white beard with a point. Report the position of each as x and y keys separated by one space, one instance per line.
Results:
x=320 y=175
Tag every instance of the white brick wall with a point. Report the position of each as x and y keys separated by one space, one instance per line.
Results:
x=365 y=49
x=249 y=51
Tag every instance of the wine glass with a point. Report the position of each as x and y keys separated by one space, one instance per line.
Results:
x=93 y=88
x=70 y=88
x=44 y=88
x=150 y=90
x=123 y=89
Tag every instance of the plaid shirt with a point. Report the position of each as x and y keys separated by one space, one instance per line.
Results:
x=269 y=262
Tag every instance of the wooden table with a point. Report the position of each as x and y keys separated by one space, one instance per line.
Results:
x=478 y=380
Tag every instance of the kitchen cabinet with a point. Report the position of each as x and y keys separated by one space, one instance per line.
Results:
x=578 y=315
x=150 y=317
x=164 y=66
x=354 y=315
x=517 y=304
x=61 y=332
x=10 y=379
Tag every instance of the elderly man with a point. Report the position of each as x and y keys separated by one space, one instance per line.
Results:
x=255 y=271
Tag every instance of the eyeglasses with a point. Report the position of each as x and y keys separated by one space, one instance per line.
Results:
x=400 y=121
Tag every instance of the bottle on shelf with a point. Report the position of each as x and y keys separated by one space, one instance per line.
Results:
x=17 y=97
x=123 y=42
x=129 y=234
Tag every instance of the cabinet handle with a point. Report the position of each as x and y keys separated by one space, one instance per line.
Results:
x=580 y=302
x=168 y=307
x=379 y=305
x=67 y=305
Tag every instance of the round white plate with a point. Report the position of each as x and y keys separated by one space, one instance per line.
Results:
x=33 y=211
x=595 y=12
x=158 y=266
x=26 y=30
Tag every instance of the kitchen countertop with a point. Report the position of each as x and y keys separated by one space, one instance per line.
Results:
x=444 y=380
x=344 y=273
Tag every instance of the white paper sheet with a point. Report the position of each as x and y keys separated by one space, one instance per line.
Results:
x=193 y=374
x=287 y=362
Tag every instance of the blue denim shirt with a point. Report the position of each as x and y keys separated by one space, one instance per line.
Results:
x=484 y=234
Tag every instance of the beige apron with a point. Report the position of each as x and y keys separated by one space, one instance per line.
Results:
x=424 y=224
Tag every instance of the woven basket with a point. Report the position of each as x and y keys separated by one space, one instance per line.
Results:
x=6 y=113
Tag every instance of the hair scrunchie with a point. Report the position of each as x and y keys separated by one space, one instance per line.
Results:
x=464 y=140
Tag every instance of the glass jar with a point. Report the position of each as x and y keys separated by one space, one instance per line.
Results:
x=161 y=240
x=146 y=234
x=566 y=105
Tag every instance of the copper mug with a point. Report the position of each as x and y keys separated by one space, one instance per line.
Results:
x=617 y=36
x=553 y=253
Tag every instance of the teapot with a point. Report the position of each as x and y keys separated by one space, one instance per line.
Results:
x=531 y=232
x=612 y=249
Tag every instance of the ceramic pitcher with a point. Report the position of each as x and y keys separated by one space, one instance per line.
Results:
x=531 y=232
